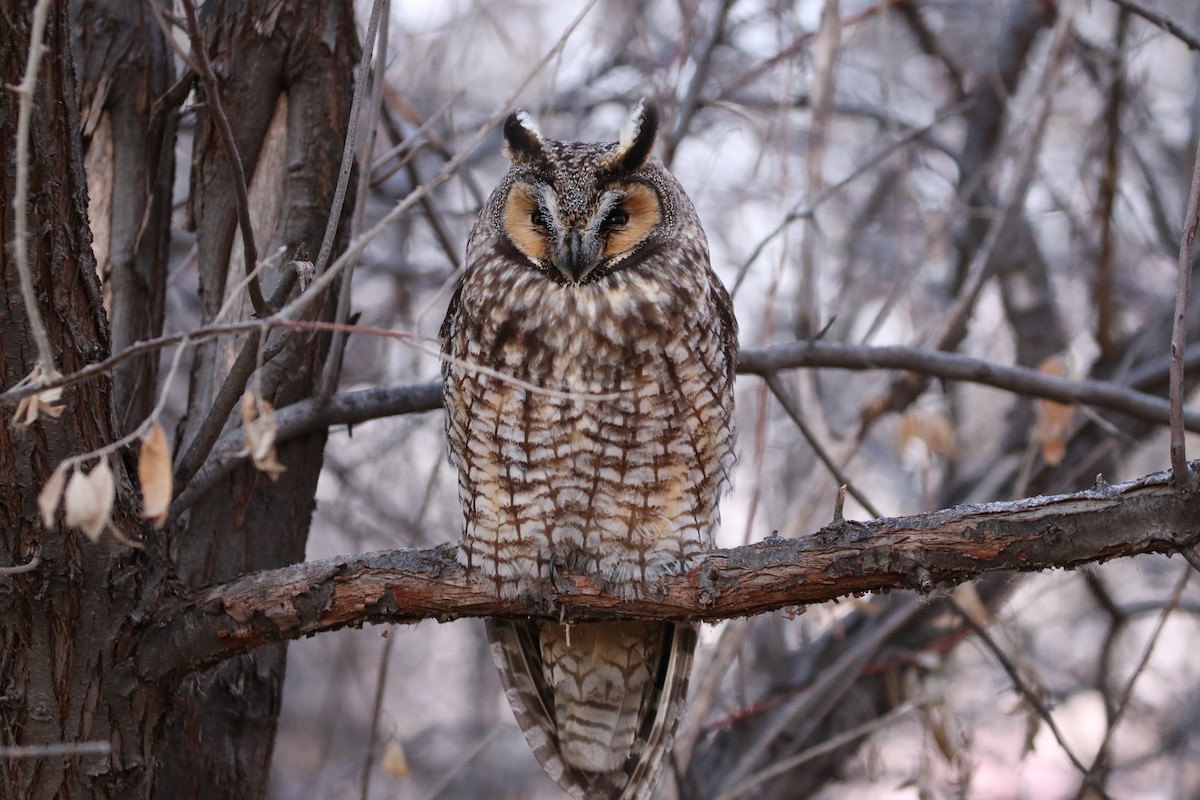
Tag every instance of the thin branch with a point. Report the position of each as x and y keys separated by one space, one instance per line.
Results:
x=247 y=361
x=333 y=366
x=763 y=361
x=953 y=366
x=781 y=395
x=377 y=707
x=1105 y=285
x=352 y=408
x=982 y=265
x=1193 y=558
x=1183 y=295
x=1161 y=20
x=356 y=246
x=944 y=547
x=827 y=746
x=1024 y=689
x=37 y=325
x=803 y=714
x=225 y=133
x=1127 y=692
x=807 y=207
x=308 y=416
x=691 y=100
x=795 y=47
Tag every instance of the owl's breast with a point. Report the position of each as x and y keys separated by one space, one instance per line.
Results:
x=590 y=426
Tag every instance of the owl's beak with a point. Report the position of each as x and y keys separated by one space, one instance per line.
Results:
x=576 y=258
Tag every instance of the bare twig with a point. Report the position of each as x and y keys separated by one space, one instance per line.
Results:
x=1161 y=20
x=827 y=746
x=1183 y=295
x=1022 y=687
x=762 y=361
x=806 y=208
x=305 y=417
x=449 y=168
x=691 y=100
x=37 y=325
x=772 y=381
x=826 y=47
x=231 y=388
x=333 y=365
x=212 y=94
x=812 y=706
x=953 y=366
x=982 y=264
x=1127 y=692
x=1103 y=292
x=1193 y=558
x=797 y=46
x=377 y=707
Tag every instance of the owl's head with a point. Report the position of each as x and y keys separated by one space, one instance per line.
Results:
x=578 y=211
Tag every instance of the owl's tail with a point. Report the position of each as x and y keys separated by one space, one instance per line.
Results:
x=598 y=702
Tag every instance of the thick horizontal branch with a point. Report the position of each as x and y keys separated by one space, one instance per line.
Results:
x=919 y=552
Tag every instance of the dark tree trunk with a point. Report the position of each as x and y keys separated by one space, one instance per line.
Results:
x=290 y=82
x=124 y=66
x=64 y=677
x=67 y=628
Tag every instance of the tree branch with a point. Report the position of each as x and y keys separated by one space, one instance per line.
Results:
x=1161 y=20
x=350 y=408
x=917 y=552
x=952 y=366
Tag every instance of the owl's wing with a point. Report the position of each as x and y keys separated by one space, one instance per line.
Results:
x=517 y=650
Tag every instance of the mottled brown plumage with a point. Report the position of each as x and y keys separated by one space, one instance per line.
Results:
x=589 y=396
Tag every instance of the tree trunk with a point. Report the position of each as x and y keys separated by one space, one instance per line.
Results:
x=288 y=71
x=67 y=672
x=64 y=675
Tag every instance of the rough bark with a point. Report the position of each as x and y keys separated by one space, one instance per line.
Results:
x=921 y=552
x=287 y=70
x=65 y=626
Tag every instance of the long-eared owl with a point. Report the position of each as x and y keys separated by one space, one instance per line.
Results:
x=589 y=394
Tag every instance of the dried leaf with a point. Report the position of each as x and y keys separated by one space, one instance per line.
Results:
x=928 y=430
x=1033 y=726
x=154 y=474
x=258 y=426
x=969 y=601
x=44 y=402
x=89 y=500
x=394 y=762
x=1055 y=421
x=50 y=495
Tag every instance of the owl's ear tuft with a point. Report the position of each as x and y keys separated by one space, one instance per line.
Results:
x=637 y=137
x=522 y=139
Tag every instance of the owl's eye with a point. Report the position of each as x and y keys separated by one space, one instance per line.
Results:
x=537 y=218
x=617 y=217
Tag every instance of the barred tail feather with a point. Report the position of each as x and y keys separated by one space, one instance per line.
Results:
x=598 y=740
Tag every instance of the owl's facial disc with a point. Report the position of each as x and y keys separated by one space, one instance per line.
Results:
x=576 y=244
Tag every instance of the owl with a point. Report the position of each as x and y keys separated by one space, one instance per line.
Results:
x=588 y=381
